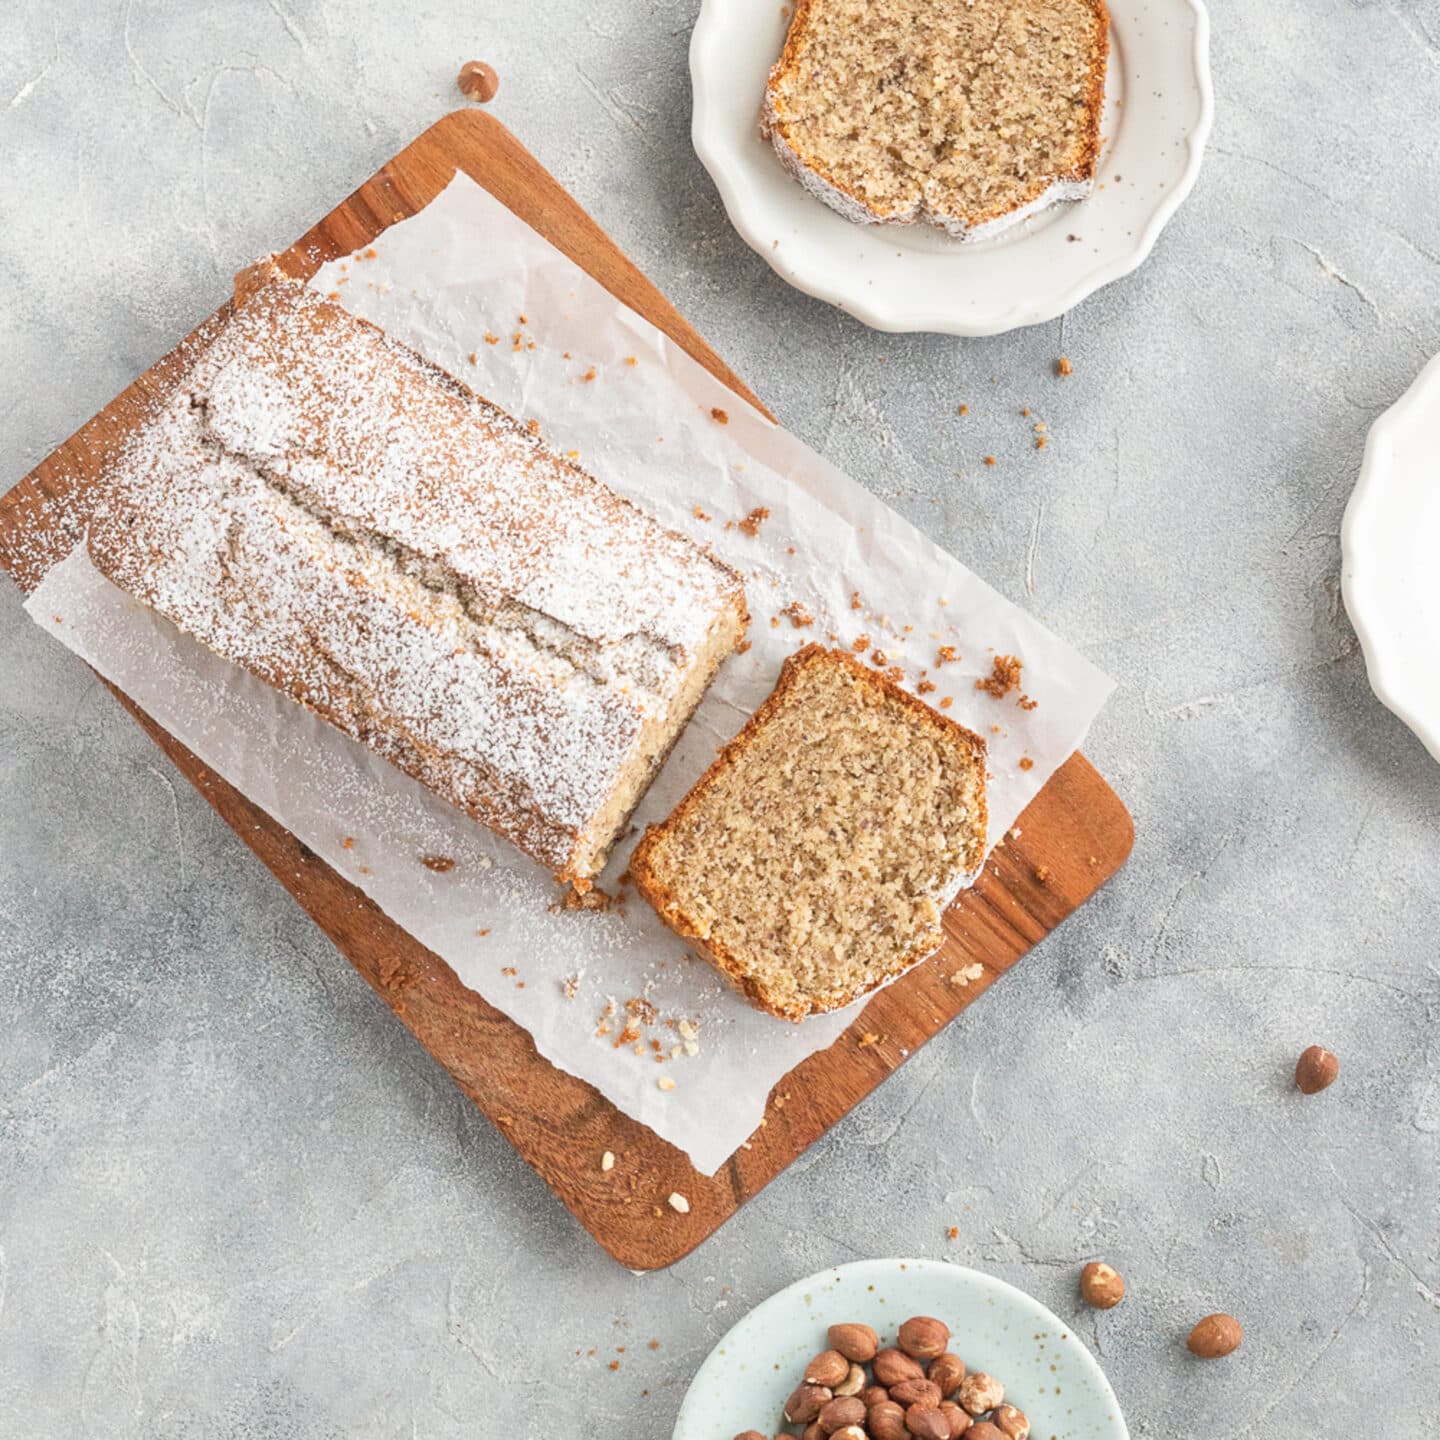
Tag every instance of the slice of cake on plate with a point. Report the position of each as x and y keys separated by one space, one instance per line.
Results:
x=968 y=114
x=813 y=860
x=323 y=507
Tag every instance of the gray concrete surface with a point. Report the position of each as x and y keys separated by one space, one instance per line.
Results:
x=237 y=1199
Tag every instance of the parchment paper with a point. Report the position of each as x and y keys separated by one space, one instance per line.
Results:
x=473 y=288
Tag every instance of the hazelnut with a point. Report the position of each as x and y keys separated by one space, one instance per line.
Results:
x=886 y=1421
x=857 y=1343
x=804 y=1403
x=1011 y=1423
x=1316 y=1070
x=749 y=1435
x=853 y=1383
x=922 y=1338
x=946 y=1371
x=850 y=1432
x=1101 y=1286
x=892 y=1366
x=836 y=1414
x=983 y=1430
x=1214 y=1336
x=960 y=1422
x=916 y=1392
x=812 y=1431
x=873 y=1395
x=925 y=1422
x=828 y=1368
x=478 y=81
x=980 y=1392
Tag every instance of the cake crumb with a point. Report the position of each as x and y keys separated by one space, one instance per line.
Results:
x=440 y=864
x=798 y=615
x=947 y=655
x=925 y=687
x=751 y=524
x=719 y=416
x=860 y=644
x=964 y=409
x=589 y=375
x=1063 y=366
x=1003 y=678
x=966 y=973
x=699 y=514
x=665 y=1083
x=855 y=600
x=947 y=702
x=989 y=459
x=1026 y=763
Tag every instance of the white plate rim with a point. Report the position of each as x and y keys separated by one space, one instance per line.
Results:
x=1391 y=666
x=713 y=79
x=981 y=1280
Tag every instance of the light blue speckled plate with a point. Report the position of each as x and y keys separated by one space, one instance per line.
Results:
x=1046 y=1371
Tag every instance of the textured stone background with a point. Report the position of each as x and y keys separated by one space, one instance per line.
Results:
x=236 y=1198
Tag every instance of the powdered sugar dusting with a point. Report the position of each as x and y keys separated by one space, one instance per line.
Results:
x=321 y=506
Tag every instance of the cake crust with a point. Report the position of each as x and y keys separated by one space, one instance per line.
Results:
x=902 y=186
x=666 y=891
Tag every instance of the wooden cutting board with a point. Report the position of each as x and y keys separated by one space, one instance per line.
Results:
x=1075 y=834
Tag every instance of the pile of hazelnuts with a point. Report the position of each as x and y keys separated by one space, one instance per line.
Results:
x=916 y=1389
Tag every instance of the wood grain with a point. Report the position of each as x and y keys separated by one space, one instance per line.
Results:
x=1075 y=834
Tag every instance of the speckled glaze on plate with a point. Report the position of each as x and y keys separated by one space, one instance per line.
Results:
x=1158 y=109
x=1388 y=542
x=1046 y=1371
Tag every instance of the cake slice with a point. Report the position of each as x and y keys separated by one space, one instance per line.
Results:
x=321 y=506
x=969 y=114
x=813 y=859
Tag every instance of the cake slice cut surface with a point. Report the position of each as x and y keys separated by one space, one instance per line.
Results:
x=813 y=860
x=969 y=114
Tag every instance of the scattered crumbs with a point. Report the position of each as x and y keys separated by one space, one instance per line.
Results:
x=369 y=254
x=1013 y=833
x=895 y=675
x=1026 y=763
x=699 y=514
x=589 y=375
x=1003 y=678
x=348 y=843
x=860 y=644
x=743 y=646
x=964 y=409
x=1063 y=366
x=989 y=459
x=1026 y=703
x=614 y=1364
x=947 y=655
x=966 y=973
x=1040 y=443
x=879 y=658
x=1042 y=875
x=953 y=1232
x=719 y=416
x=631 y=360
x=774 y=622
x=607 y=1161
x=751 y=524
x=855 y=600
x=1072 y=238
x=944 y=601
x=789 y=549
x=947 y=702
x=678 y=1203
x=654 y=1345
x=925 y=687
x=533 y=426
x=868 y=1039
x=440 y=864
x=483 y=933
x=523 y=319
x=1026 y=412
x=508 y=970
x=798 y=615
x=491 y=338
x=665 y=1083
x=572 y=454
x=333 y=295
x=565 y=355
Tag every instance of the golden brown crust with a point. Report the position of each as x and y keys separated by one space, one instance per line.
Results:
x=774 y=123
x=667 y=903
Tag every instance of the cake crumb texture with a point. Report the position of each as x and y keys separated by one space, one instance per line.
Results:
x=968 y=114
x=814 y=859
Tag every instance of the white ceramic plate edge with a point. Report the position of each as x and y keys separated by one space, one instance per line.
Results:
x=1391 y=670
x=748 y=218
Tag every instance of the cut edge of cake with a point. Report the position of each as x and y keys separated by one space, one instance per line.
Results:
x=671 y=905
x=1075 y=183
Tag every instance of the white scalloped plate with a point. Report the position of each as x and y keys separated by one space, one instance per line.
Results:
x=1046 y=1371
x=1158 y=109
x=1390 y=547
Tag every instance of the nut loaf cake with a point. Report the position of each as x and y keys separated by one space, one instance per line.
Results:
x=813 y=860
x=321 y=506
x=968 y=114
